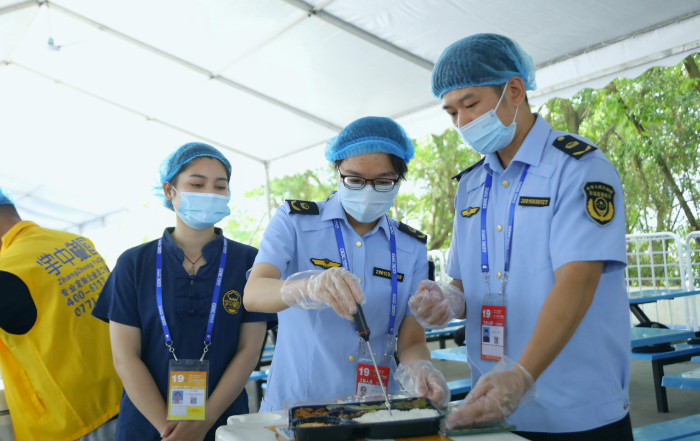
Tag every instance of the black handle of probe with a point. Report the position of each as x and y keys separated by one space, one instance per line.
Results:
x=361 y=323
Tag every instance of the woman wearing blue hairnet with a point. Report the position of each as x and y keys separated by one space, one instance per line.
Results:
x=318 y=260
x=175 y=305
x=541 y=263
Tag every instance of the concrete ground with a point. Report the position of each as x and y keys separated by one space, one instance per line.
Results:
x=681 y=403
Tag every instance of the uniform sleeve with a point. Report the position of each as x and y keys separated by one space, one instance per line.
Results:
x=101 y=309
x=121 y=291
x=248 y=316
x=17 y=309
x=420 y=271
x=453 y=256
x=589 y=220
x=278 y=243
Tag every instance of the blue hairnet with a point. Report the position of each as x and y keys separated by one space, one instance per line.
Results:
x=184 y=155
x=371 y=134
x=6 y=197
x=481 y=60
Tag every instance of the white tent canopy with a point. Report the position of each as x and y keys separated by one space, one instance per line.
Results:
x=86 y=121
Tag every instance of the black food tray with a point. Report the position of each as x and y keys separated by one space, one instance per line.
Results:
x=346 y=429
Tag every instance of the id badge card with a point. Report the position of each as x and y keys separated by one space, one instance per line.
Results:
x=493 y=327
x=367 y=383
x=187 y=390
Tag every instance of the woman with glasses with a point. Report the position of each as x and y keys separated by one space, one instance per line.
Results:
x=318 y=260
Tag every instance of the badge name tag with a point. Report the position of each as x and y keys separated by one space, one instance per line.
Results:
x=187 y=390
x=367 y=383
x=493 y=332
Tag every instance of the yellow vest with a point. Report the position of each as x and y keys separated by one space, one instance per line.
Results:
x=60 y=381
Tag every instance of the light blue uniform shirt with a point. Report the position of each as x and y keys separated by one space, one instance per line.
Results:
x=587 y=385
x=312 y=355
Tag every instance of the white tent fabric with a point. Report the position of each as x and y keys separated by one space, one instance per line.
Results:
x=267 y=81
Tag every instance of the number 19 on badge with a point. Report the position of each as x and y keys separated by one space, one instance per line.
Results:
x=493 y=330
x=187 y=392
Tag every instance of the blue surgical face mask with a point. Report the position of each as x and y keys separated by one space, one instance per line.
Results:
x=202 y=210
x=366 y=205
x=487 y=134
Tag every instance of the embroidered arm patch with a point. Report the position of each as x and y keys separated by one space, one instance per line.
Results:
x=599 y=202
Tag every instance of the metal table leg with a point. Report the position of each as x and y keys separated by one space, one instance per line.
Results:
x=661 y=399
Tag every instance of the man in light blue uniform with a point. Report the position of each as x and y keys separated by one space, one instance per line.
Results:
x=540 y=225
x=317 y=349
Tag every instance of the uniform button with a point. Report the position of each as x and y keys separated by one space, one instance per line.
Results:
x=498 y=274
x=506 y=183
x=351 y=358
x=358 y=243
x=499 y=228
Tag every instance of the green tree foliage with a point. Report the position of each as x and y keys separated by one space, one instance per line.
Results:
x=426 y=200
x=649 y=127
x=430 y=204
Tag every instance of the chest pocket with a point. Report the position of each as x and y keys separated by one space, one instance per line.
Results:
x=533 y=221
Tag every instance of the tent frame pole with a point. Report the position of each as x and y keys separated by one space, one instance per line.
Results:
x=18 y=6
x=268 y=203
x=354 y=30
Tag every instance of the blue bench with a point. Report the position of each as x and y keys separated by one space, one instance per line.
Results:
x=459 y=388
x=443 y=334
x=260 y=378
x=678 y=381
x=680 y=429
x=683 y=352
x=259 y=375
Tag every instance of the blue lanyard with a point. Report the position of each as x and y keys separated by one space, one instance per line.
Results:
x=509 y=231
x=214 y=299
x=394 y=268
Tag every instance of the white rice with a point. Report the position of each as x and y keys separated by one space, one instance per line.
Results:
x=382 y=416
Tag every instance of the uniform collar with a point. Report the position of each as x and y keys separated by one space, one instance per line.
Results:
x=14 y=232
x=334 y=210
x=213 y=247
x=530 y=151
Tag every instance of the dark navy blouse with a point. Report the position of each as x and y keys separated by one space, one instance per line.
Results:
x=129 y=298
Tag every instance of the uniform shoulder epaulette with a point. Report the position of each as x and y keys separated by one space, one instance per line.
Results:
x=413 y=232
x=302 y=207
x=573 y=147
x=468 y=169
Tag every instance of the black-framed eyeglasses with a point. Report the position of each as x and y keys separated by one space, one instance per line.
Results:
x=358 y=183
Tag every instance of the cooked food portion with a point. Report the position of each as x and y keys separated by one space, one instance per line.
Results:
x=306 y=412
x=350 y=415
x=420 y=403
x=382 y=416
x=312 y=425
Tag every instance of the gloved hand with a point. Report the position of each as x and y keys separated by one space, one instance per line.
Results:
x=496 y=396
x=435 y=304
x=420 y=378
x=334 y=287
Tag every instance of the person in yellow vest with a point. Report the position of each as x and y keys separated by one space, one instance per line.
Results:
x=55 y=359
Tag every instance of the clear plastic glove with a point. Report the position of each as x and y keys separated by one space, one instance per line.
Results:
x=496 y=396
x=435 y=304
x=334 y=287
x=420 y=378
